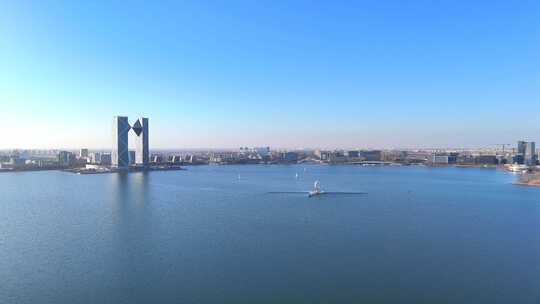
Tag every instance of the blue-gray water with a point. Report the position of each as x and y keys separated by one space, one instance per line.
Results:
x=421 y=235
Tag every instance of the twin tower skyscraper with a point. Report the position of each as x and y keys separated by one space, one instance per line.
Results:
x=120 y=148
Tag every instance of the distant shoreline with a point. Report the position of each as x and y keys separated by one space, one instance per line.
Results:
x=535 y=182
x=82 y=170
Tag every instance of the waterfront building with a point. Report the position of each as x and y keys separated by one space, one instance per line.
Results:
x=440 y=159
x=526 y=153
x=353 y=154
x=417 y=157
x=322 y=155
x=191 y=159
x=289 y=157
x=119 y=153
x=508 y=158
x=521 y=146
x=17 y=162
x=452 y=157
x=219 y=158
x=157 y=158
x=337 y=157
x=14 y=162
x=486 y=160
x=83 y=153
x=95 y=158
x=394 y=156
x=65 y=158
x=501 y=159
x=445 y=158
x=518 y=159
x=529 y=157
x=106 y=159
x=465 y=159
x=175 y=159
x=140 y=127
x=262 y=150
x=371 y=155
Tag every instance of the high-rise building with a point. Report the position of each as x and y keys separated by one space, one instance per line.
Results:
x=142 y=154
x=521 y=147
x=527 y=152
x=95 y=158
x=530 y=154
x=106 y=159
x=65 y=158
x=83 y=153
x=119 y=153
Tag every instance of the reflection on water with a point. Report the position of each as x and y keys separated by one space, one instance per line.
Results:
x=120 y=185
x=141 y=182
x=131 y=187
x=121 y=194
x=130 y=232
x=130 y=194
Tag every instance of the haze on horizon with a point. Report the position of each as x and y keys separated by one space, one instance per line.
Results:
x=271 y=73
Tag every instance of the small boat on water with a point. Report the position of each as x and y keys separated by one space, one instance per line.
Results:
x=316 y=189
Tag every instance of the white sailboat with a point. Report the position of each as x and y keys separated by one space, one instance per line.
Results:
x=316 y=189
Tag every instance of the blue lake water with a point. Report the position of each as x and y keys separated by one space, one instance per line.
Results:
x=420 y=235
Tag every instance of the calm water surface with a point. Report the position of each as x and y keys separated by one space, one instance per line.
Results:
x=421 y=235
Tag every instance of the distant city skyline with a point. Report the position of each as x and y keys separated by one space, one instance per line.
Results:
x=379 y=74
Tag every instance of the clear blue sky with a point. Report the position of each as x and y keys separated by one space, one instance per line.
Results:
x=279 y=73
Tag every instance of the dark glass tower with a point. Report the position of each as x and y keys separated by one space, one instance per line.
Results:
x=119 y=153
